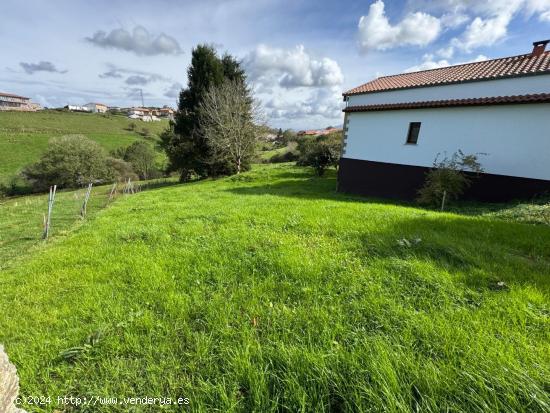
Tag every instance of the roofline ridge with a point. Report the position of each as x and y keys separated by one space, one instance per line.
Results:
x=460 y=64
x=349 y=91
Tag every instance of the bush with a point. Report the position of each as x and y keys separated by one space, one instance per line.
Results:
x=448 y=179
x=142 y=157
x=122 y=170
x=16 y=186
x=69 y=162
x=145 y=132
x=287 y=156
x=321 y=152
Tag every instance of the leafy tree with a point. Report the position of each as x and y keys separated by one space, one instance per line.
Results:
x=142 y=157
x=289 y=135
x=184 y=142
x=69 y=161
x=320 y=152
x=229 y=119
x=122 y=170
x=448 y=179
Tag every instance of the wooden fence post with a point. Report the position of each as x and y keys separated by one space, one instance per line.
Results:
x=86 y=198
x=47 y=219
x=113 y=191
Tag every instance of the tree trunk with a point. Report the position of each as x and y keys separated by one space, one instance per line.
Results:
x=238 y=165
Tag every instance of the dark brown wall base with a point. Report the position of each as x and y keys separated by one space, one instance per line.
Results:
x=387 y=180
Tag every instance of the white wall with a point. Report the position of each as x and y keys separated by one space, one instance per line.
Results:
x=501 y=87
x=516 y=138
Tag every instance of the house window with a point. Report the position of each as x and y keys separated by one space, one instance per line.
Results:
x=414 y=130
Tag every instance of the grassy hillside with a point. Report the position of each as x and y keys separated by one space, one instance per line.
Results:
x=24 y=135
x=271 y=292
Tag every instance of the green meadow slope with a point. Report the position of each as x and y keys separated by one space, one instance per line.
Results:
x=270 y=292
x=25 y=135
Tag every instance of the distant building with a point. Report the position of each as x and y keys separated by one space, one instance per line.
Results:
x=19 y=103
x=318 y=132
x=166 y=112
x=96 y=107
x=139 y=111
x=77 y=108
x=144 y=114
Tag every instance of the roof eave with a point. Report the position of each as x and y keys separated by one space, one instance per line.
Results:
x=350 y=93
x=485 y=101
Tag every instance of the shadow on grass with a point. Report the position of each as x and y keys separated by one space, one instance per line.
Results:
x=148 y=186
x=302 y=183
x=484 y=253
x=310 y=188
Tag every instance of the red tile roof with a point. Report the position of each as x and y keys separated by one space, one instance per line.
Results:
x=523 y=65
x=498 y=100
x=9 y=95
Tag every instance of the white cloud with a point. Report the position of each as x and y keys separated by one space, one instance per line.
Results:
x=43 y=66
x=487 y=22
x=446 y=52
x=490 y=19
x=290 y=68
x=325 y=104
x=540 y=7
x=429 y=63
x=483 y=32
x=376 y=32
x=174 y=90
x=139 y=41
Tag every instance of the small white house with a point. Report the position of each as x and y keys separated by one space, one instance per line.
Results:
x=77 y=108
x=96 y=107
x=395 y=126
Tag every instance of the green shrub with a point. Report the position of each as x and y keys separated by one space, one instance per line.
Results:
x=122 y=170
x=287 y=156
x=142 y=158
x=320 y=152
x=16 y=186
x=69 y=162
x=447 y=179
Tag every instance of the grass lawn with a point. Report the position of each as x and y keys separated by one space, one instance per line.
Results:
x=270 y=292
x=25 y=135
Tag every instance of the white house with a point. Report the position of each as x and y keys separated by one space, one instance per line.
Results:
x=144 y=114
x=395 y=126
x=9 y=101
x=96 y=107
x=77 y=108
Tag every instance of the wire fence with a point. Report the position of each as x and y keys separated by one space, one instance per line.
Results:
x=28 y=221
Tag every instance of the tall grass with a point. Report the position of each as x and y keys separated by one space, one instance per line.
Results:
x=271 y=292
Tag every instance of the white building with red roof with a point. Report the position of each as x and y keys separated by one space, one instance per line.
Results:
x=9 y=101
x=395 y=126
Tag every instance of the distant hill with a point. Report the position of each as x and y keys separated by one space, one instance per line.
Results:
x=24 y=135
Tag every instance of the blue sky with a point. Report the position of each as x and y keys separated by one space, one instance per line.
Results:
x=300 y=55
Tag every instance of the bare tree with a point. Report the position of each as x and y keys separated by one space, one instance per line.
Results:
x=230 y=119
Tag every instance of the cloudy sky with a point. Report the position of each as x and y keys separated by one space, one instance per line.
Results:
x=299 y=55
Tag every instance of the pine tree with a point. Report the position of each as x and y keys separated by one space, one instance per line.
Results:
x=184 y=144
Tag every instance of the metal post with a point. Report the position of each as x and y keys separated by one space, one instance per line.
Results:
x=113 y=190
x=51 y=200
x=86 y=198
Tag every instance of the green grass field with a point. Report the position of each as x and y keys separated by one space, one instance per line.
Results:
x=25 y=135
x=270 y=292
